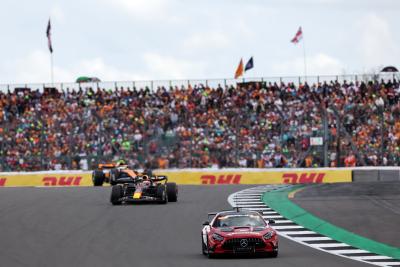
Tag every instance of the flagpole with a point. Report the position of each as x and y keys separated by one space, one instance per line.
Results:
x=304 y=58
x=51 y=69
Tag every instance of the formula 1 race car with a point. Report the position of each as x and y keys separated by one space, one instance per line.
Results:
x=238 y=232
x=141 y=188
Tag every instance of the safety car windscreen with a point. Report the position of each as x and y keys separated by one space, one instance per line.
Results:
x=238 y=220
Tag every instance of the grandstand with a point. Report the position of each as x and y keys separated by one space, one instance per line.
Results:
x=255 y=123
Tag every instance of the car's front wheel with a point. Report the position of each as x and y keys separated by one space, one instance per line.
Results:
x=162 y=194
x=116 y=194
x=203 y=246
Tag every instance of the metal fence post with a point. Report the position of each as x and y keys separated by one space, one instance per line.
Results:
x=326 y=137
x=382 y=121
x=338 y=140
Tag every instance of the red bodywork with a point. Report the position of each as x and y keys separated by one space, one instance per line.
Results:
x=243 y=239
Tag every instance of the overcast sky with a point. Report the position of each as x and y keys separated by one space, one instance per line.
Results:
x=187 y=39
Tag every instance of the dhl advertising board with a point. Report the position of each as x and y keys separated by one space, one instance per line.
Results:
x=257 y=177
x=46 y=179
x=190 y=177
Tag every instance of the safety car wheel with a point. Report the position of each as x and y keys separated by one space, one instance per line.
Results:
x=172 y=192
x=203 y=246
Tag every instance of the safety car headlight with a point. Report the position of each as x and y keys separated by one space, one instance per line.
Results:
x=268 y=235
x=217 y=237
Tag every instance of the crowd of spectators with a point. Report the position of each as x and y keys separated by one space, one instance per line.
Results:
x=260 y=125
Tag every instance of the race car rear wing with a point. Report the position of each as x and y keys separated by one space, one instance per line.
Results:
x=140 y=178
x=111 y=166
x=159 y=178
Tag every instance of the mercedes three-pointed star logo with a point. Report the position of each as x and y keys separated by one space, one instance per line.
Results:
x=244 y=243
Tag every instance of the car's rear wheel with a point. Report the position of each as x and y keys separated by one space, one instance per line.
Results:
x=116 y=194
x=98 y=178
x=172 y=192
x=162 y=194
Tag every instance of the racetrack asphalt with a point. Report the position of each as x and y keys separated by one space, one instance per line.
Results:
x=369 y=209
x=79 y=227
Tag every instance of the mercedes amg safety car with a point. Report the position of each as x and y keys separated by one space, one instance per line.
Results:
x=238 y=231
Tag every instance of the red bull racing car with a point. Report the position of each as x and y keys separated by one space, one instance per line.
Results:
x=238 y=232
x=128 y=187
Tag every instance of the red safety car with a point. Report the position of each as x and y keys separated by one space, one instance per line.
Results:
x=238 y=232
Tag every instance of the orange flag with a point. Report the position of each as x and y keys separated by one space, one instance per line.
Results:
x=239 y=70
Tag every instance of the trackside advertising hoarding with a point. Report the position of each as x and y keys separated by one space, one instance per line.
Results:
x=46 y=179
x=254 y=176
x=189 y=177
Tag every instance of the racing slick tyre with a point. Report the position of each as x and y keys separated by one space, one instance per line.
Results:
x=162 y=194
x=98 y=178
x=114 y=175
x=116 y=194
x=172 y=192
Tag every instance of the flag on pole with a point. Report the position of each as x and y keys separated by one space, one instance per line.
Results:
x=239 y=71
x=298 y=36
x=48 y=33
x=249 y=64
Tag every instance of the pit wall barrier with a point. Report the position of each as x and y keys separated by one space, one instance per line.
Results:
x=214 y=176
